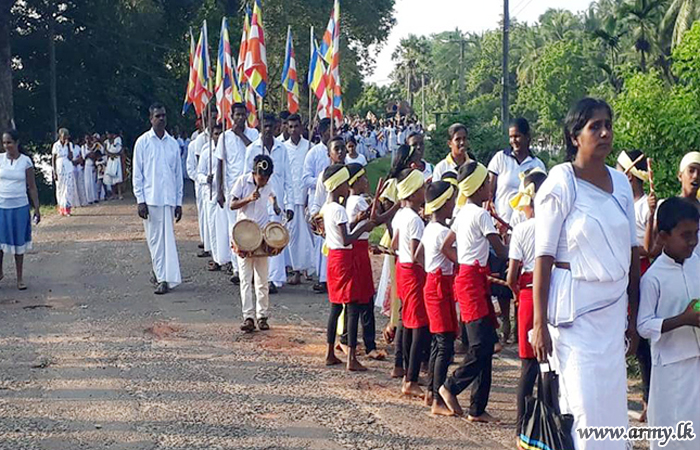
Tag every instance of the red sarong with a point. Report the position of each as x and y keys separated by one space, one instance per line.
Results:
x=440 y=303
x=362 y=282
x=410 y=280
x=339 y=276
x=525 y=315
x=473 y=292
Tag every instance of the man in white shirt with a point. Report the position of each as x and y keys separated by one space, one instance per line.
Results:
x=284 y=134
x=317 y=158
x=158 y=188
x=281 y=179
x=191 y=167
x=230 y=152
x=300 y=251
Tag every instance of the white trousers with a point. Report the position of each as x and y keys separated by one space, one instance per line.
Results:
x=90 y=185
x=218 y=233
x=202 y=211
x=320 y=259
x=253 y=271
x=198 y=196
x=277 y=267
x=80 y=186
x=231 y=221
x=160 y=235
x=300 y=251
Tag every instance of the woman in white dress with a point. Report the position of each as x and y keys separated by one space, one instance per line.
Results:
x=586 y=272
x=114 y=174
x=89 y=173
x=64 y=181
x=79 y=174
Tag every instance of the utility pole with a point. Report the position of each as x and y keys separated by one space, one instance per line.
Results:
x=504 y=97
x=422 y=96
x=52 y=73
x=462 y=86
x=408 y=88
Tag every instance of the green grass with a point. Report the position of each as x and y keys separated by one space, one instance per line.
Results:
x=376 y=235
x=376 y=170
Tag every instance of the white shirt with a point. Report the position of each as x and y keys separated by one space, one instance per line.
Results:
x=428 y=171
x=296 y=154
x=335 y=217
x=13 y=181
x=234 y=161
x=316 y=161
x=506 y=167
x=359 y=159
x=63 y=164
x=471 y=226
x=522 y=244
x=281 y=179
x=434 y=236
x=410 y=226
x=191 y=162
x=257 y=210
x=641 y=217
x=355 y=205
x=157 y=170
x=666 y=289
x=320 y=196
x=203 y=171
x=442 y=167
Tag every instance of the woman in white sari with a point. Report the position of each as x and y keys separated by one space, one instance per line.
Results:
x=90 y=175
x=64 y=181
x=586 y=272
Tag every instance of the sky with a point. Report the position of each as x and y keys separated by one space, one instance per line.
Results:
x=412 y=17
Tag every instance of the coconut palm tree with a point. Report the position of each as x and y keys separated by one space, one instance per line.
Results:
x=678 y=19
x=642 y=16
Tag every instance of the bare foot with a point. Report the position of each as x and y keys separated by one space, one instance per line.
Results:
x=428 y=398
x=355 y=366
x=295 y=279
x=450 y=401
x=412 y=389
x=397 y=372
x=643 y=415
x=484 y=418
x=377 y=355
x=440 y=409
x=332 y=360
x=497 y=348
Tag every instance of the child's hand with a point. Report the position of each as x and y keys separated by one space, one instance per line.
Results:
x=651 y=201
x=389 y=333
x=691 y=315
x=253 y=196
x=362 y=215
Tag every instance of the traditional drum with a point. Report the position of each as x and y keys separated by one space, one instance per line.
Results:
x=275 y=237
x=246 y=237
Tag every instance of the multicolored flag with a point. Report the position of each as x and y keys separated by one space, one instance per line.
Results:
x=243 y=48
x=330 y=51
x=256 y=58
x=226 y=84
x=202 y=68
x=317 y=70
x=328 y=43
x=189 y=92
x=251 y=104
x=289 y=75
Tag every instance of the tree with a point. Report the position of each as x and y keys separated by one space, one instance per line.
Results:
x=678 y=19
x=642 y=17
x=6 y=99
x=413 y=59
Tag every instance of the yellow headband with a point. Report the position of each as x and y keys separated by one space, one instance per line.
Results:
x=471 y=184
x=337 y=179
x=435 y=205
x=357 y=176
x=410 y=184
x=452 y=181
x=690 y=158
x=625 y=162
x=524 y=197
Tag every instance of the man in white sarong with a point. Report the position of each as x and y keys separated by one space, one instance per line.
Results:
x=64 y=181
x=281 y=179
x=230 y=153
x=214 y=216
x=114 y=172
x=315 y=163
x=300 y=251
x=79 y=175
x=158 y=188
x=202 y=145
x=191 y=168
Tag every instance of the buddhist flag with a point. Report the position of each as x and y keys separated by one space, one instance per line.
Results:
x=202 y=68
x=317 y=70
x=189 y=91
x=226 y=84
x=329 y=44
x=289 y=75
x=243 y=48
x=330 y=51
x=251 y=104
x=256 y=58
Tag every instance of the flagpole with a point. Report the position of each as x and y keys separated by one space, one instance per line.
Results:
x=211 y=138
x=311 y=94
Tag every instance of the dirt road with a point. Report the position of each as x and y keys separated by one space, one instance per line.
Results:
x=90 y=358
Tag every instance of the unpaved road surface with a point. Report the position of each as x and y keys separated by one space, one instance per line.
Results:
x=90 y=358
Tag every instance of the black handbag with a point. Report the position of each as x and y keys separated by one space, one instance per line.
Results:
x=543 y=427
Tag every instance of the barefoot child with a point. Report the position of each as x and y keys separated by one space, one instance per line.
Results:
x=520 y=268
x=410 y=276
x=341 y=275
x=473 y=230
x=250 y=195
x=358 y=210
x=669 y=316
x=438 y=291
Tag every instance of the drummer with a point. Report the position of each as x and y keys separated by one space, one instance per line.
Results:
x=250 y=195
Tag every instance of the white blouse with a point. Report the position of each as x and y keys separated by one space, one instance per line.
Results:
x=13 y=181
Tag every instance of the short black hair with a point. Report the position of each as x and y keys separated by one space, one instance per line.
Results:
x=535 y=176
x=269 y=117
x=521 y=124
x=414 y=134
x=455 y=127
x=335 y=138
x=13 y=133
x=239 y=105
x=154 y=107
x=436 y=189
x=332 y=170
x=354 y=168
x=466 y=170
x=217 y=126
x=351 y=139
x=404 y=174
x=577 y=118
x=449 y=175
x=400 y=158
x=324 y=125
x=293 y=118
x=262 y=165
x=673 y=211
x=284 y=115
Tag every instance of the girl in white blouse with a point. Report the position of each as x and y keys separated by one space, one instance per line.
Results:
x=16 y=179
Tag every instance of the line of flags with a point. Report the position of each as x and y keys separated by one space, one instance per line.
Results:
x=246 y=80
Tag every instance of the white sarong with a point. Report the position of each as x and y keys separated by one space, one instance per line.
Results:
x=65 y=183
x=89 y=182
x=321 y=260
x=218 y=233
x=277 y=271
x=300 y=251
x=160 y=235
x=79 y=175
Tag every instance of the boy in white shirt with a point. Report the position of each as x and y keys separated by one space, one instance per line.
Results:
x=473 y=230
x=250 y=196
x=669 y=316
